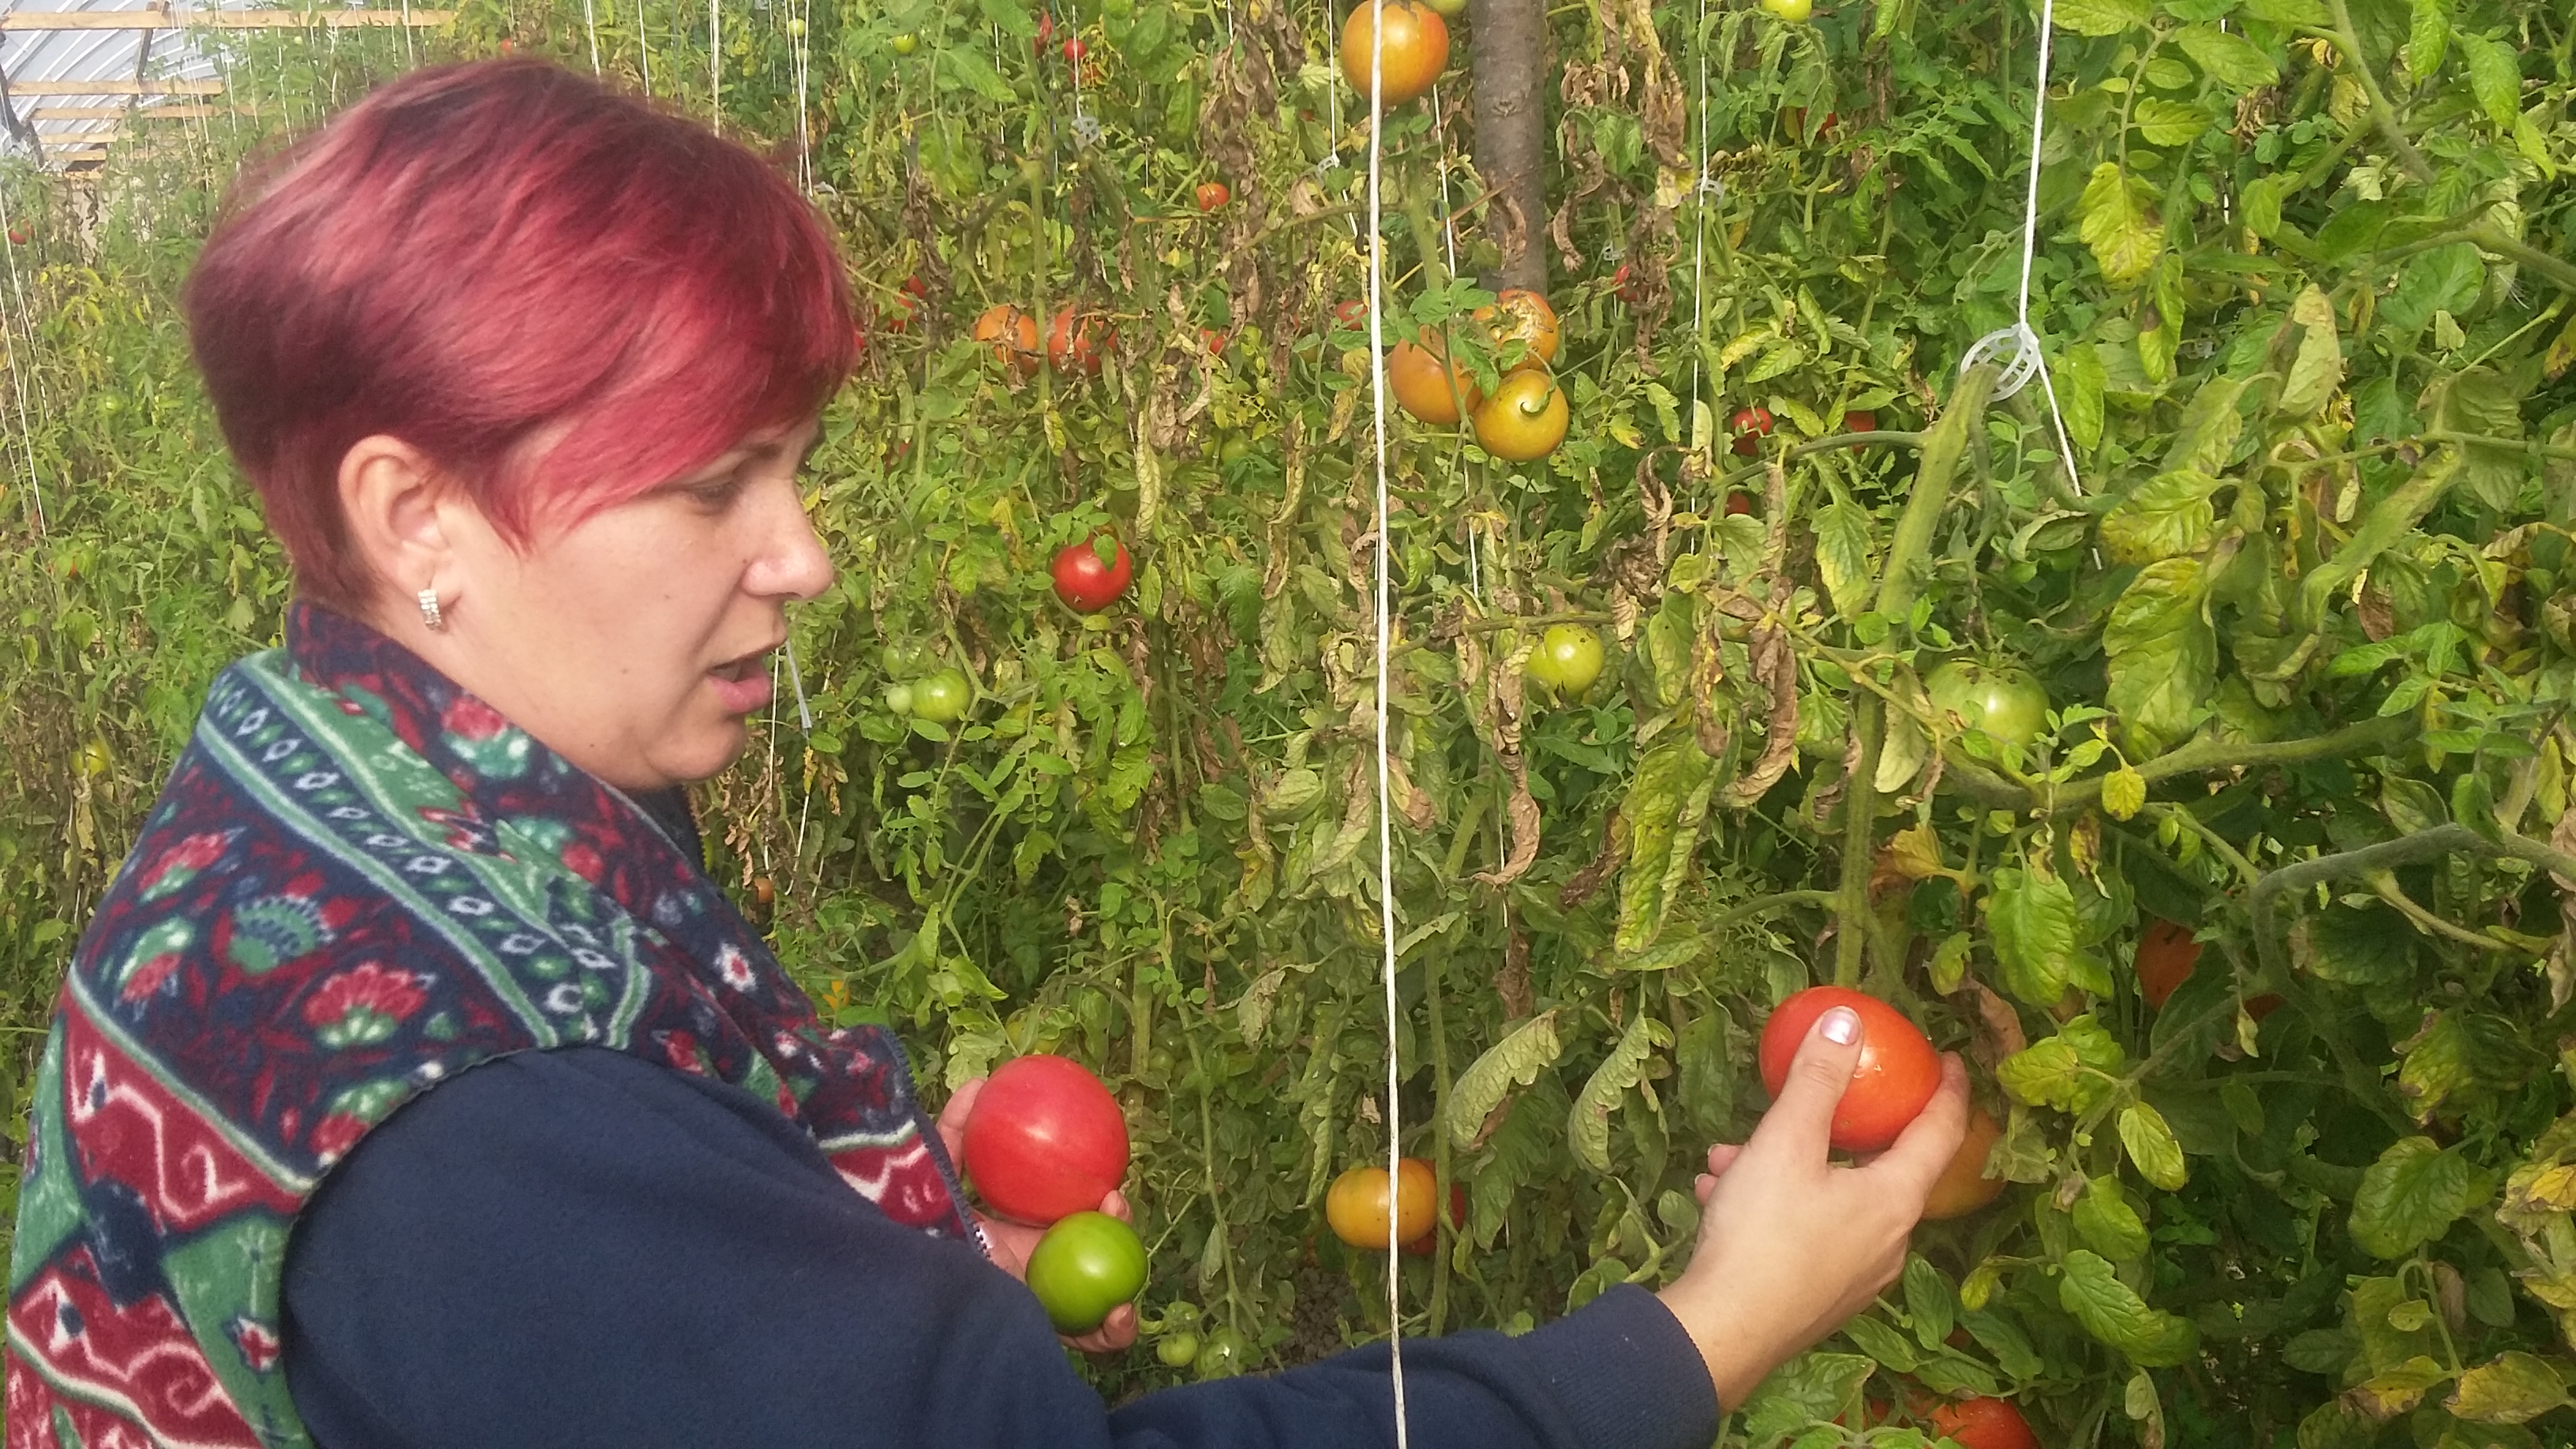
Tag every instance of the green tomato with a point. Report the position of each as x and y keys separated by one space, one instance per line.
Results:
x=2005 y=703
x=898 y=699
x=906 y=43
x=1177 y=1350
x=941 y=697
x=1568 y=660
x=1447 y=9
x=1224 y=1354
x=1086 y=1265
x=1793 y=11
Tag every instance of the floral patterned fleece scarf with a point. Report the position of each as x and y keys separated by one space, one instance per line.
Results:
x=359 y=881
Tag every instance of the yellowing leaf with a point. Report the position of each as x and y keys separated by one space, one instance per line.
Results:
x=2151 y=1146
x=2509 y=1389
x=2119 y=225
x=2124 y=793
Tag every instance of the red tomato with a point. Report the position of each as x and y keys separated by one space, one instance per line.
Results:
x=1213 y=194
x=1073 y=49
x=1963 y=1186
x=1630 y=290
x=1984 y=1424
x=1423 y=1246
x=1859 y=420
x=1087 y=585
x=1076 y=342
x=2166 y=954
x=17 y=236
x=1897 y=1074
x=908 y=300
x=1014 y=335
x=1738 y=502
x=1751 y=426
x=1417 y=49
x=1046 y=1140
x=1046 y=31
x=1214 y=339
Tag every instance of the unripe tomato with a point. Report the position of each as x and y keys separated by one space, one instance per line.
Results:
x=1356 y=1206
x=940 y=697
x=1076 y=342
x=1417 y=49
x=1859 y=420
x=2166 y=954
x=1224 y=1354
x=1014 y=335
x=1521 y=315
x=2005 y=703
x=1424 y=1246
x=1567 y=661
x=795 y=28
x=1045 y=1140
x=1425 y=383
x=1177 y=1350
x=1751 y=426
x=1963 y=1186
x=1086 y=584
x=1085 y=1266
x=92 y=760
x=1213 y=194
x=1793 y=11
x=1897 y=1074
x=906 y=43
x=1525 y=418
x=1982 y=1423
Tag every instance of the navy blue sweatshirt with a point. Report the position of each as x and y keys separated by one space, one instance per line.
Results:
x=581 y=1248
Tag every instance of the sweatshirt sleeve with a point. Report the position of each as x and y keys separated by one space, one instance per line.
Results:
x=580 y=1248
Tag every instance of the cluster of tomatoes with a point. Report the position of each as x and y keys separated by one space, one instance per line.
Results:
x=1526 y=416
x=1045 y=1143
x=1076 y=340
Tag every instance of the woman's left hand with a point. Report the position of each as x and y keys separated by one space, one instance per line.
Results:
x=1013 y=1242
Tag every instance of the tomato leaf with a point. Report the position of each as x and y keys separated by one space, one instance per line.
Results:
x=1516 y=1060
x=2229 y=59
x=2119 y=224
x=2495 y=78
x=2163 y=655
x=2151 y=1146
x=2428 y=32
x=2509 y=1389
x=1844 y=556
x=2113 y=1313
x=2101 y=17
x=1587 y=1126
x=2031 y=915
x=1812 y=1388
x=2072 y=1071
x=2104 y=1220
x=2411 y=1194
x=2318 y=369
x=2168 y=514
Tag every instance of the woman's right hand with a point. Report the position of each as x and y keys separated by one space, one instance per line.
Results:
x=1790 y=1244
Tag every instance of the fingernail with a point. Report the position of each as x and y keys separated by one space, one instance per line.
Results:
x=1841 y=1026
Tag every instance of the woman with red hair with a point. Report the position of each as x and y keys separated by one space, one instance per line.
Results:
x=524 y=371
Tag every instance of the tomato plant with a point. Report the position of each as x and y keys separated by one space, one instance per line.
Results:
x=1897 y=1073
x=1086 y=1265
x=1045 y=1139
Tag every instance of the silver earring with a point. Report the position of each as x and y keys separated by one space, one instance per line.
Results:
x=429 y=613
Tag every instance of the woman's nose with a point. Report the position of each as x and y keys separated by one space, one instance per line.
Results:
x=795 y=564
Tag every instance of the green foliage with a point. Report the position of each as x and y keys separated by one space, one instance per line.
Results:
x=2298 y=584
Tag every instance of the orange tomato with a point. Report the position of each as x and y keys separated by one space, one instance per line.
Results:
x=1356 y=1207
x=1014 y=335
x=1523 y=316
x=1984 y=1424
x=2166 y=955
x=1963 y=1186
x=1428 y=385
x=1416 y=49
x=1075 y=342
x=1525 y=418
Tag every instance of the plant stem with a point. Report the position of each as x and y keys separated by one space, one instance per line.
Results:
x=2404 y=850
x=2348 y=40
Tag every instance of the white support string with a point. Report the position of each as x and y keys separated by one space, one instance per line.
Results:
x=644 y=48
x=715 y=65
x=1702 y=193
x=589 y=19
x=1385 y=826
x=2027 y=360
x=804 y=128
x=18 y=379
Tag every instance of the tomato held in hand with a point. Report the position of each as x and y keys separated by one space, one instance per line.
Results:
x=1046 y=1140
x=1014 y=335
x=1984 y=1424
x=1963 y=1186
x=1085 y=1266
x=1416 y=49
x=1897 y=1074
x=1425 y=383
x=1357 y=1205
x=1213 y=194
x=1076 y=341
x=1423 y=1247
x=2005 y=703
x=1751 y=426
x=940 y=696
x=1567 y=661
x=1523 y=316
x=1088 y=583
x=1525 y=418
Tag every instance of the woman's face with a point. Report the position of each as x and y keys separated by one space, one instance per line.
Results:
x=636 y=642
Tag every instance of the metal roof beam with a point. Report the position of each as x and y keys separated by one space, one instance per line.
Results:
x=220 y=19
x=116 y=88
x=113 y=113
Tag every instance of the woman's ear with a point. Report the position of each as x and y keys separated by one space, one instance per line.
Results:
x=389 y=496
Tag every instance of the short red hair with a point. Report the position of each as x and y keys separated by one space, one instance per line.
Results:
x=560 y=294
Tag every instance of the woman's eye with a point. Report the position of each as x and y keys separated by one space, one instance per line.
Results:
x=718 y=495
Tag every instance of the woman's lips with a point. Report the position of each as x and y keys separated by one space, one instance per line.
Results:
x=742 y=685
